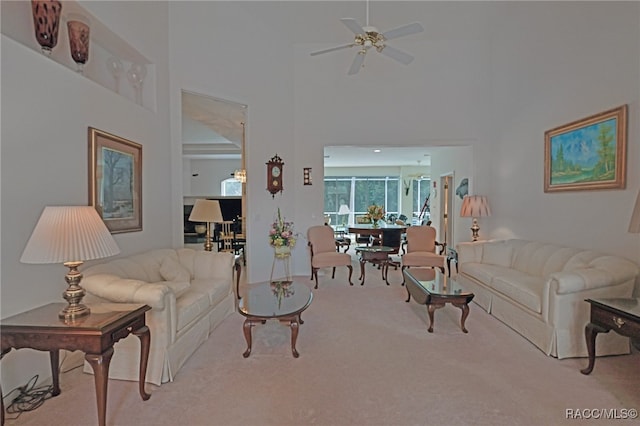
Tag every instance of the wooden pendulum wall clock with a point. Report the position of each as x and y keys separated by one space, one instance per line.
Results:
x=274 y=175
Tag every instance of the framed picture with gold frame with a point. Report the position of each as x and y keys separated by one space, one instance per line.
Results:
x=115 y=180
x=587 y=154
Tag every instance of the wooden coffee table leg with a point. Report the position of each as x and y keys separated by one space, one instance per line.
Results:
x=465 y=314
x=100 y=364
x=294 y=336
x=431 y=308
x=362 y=262
x=247 y=335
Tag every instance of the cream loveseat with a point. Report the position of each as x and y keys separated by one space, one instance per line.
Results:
x=190 y=292
x=539 y=290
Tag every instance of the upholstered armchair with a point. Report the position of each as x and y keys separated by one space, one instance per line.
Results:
x=322 y=246
x=421 y=249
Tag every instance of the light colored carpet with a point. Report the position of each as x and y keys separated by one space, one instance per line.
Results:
x=365 y=359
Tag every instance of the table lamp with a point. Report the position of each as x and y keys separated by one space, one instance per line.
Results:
x=70 y=235
x=344 y=210
x=206 y=211
x=475 y=206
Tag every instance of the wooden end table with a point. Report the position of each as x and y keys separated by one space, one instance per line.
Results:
x=376 y=255
x=621 y=315
x=94 y=334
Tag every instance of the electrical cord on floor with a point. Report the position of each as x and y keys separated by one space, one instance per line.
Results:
x=29 y=398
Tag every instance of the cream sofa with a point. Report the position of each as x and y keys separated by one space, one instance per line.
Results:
x=190 y=292
x=539 y=290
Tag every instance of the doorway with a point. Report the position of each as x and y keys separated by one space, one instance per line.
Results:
x=213 y=154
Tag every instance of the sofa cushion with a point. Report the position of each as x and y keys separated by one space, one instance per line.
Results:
x=483 y=272
x=498 y=253
x=524 y=289
x=172 y=270
x=216 y=291
x=190 y=306
x=178 y=287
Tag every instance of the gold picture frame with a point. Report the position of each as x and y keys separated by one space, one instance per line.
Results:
x=587 y=154
x=115 y=180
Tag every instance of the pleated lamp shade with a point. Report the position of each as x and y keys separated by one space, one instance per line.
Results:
x=69 y=233
x=206 y=211
x=475 y=206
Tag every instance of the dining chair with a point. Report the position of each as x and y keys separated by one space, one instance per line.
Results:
x=322 y=247
x=421 y=249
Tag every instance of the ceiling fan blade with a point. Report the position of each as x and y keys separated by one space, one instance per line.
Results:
x=397 y=54
x=320 y=52
x=353 y=25
x=357 y=62
x=402 y=31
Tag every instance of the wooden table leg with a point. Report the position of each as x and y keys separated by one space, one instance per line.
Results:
x=246 y=328
x=238 y=269
x=294 y=336
x=54 y=356
x=145 y=341
x=590 y=332
x=100 y=364
x=4 y=351
x=431 y=308
x=465 y=314
x=362 y=262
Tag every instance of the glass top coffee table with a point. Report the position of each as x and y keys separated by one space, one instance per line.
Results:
x=282 y=300
x=434 y=289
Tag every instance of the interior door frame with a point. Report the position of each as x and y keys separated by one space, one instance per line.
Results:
x=447 y=181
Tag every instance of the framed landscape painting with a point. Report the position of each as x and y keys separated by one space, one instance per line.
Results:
x=115 y=180
x=588 y=153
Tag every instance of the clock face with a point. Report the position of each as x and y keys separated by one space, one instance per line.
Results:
x=275 y=171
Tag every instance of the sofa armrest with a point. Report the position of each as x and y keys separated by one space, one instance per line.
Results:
x=602 y=271
x=469 y=252
x=123 y=290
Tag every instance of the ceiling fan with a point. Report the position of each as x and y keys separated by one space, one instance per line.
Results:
x=368 y=37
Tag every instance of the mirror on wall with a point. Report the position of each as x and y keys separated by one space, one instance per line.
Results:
x=213 y=140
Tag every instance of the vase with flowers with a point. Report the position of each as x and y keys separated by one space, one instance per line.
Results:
x=375 y=213
x=282 y=236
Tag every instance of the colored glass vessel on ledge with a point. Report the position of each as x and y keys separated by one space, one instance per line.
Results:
x=46 y=22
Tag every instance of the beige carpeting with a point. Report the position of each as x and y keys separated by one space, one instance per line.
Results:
x=365 y=359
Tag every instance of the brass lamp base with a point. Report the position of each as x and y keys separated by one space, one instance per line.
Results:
x=73 y=294
x=474 y=229
x=208 y=244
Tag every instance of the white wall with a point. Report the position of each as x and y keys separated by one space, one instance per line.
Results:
x=46 y=109
x=489 y=76
x=203 y=177
x=553 y=66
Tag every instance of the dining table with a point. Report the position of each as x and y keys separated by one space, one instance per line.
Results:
x=376 y=232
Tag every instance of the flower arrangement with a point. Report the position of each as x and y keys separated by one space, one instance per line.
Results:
x=282 y=233
x=375 y=212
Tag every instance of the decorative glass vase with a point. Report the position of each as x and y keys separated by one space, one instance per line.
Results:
x=78 y=40
x=375 y=223
x=46 y=22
